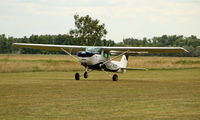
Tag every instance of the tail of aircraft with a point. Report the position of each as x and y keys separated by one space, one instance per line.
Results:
x=124 y=61
x=122 y=64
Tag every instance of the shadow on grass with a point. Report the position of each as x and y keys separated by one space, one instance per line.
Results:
x=105 y=80
x=71 y=79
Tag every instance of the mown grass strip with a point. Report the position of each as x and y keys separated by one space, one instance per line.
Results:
x=138 y=95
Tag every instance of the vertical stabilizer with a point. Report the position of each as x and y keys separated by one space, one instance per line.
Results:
x=124 y=61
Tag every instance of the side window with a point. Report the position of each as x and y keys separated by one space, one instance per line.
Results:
x=106 y=54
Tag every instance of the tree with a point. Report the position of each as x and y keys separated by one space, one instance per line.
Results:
x=88 y=31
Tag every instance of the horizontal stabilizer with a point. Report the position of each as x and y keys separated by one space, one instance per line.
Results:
x=135 y=68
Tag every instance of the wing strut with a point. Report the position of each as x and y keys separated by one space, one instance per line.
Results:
x=70 y=54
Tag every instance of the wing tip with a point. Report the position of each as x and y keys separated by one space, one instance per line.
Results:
x=15 y=44
x=185 y=50
x=18 y=43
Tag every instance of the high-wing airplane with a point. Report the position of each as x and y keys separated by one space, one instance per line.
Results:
x=98 y=57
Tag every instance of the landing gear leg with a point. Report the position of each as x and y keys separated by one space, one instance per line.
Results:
x=77 y=76
x=115 y=77
x=85 y=75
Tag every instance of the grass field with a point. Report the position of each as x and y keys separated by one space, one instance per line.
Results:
x=147 y=95
x=157 y=94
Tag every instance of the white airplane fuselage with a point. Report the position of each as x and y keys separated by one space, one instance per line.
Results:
x=99 y=62
x=93 y=60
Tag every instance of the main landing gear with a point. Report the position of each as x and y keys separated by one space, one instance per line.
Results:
x=85 y=75
x=77 y=76
x=115 y=77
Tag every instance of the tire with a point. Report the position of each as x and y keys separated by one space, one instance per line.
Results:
x=77 y=76
x=85 y=75
x=115 y=77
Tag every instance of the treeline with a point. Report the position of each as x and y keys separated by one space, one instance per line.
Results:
x=192 y=43
x=6 y=43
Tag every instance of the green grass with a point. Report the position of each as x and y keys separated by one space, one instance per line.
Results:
x=146 y=95
x=157 y=61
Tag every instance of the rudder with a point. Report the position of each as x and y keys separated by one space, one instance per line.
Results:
x=124 y=61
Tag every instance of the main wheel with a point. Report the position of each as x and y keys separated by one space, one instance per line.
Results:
x=77 y=76
x=115 y=77
x=85 y=75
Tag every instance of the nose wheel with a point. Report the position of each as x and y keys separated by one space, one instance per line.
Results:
x=85 y=75
x=77 y=76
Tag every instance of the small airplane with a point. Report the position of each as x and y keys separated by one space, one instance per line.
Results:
x=98 y=57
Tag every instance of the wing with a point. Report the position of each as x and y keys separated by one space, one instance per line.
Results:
x=69 y=48
x=138 y=50
x=131 y=50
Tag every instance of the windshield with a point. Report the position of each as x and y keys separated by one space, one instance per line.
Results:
x=85 y=54
x=94 y=50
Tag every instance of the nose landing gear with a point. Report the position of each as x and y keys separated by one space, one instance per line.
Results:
x=85 y=75
x=78 y=76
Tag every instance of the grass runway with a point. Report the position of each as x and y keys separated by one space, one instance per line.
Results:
x=138 y=95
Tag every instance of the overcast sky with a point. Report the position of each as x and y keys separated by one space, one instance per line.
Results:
x=123 y=18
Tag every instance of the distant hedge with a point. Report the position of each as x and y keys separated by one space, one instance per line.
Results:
x=191 y=43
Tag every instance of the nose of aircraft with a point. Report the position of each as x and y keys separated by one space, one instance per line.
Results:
x=85 y=57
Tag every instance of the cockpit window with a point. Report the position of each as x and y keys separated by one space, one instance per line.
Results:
x=84 y=54
x=106 y=55
x=94 y=50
